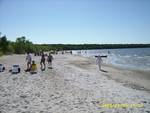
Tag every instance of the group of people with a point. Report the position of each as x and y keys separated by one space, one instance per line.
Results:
x=31 y=65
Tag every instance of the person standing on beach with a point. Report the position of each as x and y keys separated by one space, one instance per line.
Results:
x=99 y=61
x=49 y=60
x=28 y=59
x=42 y=63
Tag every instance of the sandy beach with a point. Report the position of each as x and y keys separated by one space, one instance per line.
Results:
x=74 y=85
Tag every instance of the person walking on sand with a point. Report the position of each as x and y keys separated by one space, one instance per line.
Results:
x=28 y=59
x=42 y=63
x=49 y=60
x=99 y=61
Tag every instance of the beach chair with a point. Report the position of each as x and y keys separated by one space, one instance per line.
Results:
x=2 y=68
x=15 y=69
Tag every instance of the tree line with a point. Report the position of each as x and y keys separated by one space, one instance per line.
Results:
x=21 y=45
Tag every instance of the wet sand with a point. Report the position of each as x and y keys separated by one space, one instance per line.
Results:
x=74 y=85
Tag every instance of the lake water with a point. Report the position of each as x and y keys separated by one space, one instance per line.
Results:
x=132 y=58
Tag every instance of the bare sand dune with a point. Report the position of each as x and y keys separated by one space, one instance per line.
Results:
x=74 y=85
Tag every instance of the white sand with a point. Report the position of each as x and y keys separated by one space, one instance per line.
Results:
x=74 y=85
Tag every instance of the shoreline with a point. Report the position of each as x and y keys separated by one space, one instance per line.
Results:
x=117 y=66
x=125 y=59
x=134 y=81
x=90 y=62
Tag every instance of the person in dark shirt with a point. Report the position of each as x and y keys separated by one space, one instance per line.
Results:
x=49 y=60
x=42 y=63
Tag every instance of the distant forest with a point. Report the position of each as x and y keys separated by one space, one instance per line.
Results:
x=22 y=45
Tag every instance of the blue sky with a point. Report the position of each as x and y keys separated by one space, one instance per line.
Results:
x=76 y=21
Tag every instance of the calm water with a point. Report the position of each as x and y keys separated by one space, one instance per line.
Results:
x=135 y=58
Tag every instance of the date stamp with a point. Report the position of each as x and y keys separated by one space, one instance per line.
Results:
x=125 y=105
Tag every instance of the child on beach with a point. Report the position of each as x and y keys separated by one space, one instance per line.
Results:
x=49 y=60
x=33 y=68
x=42 y=61
x=28 y=59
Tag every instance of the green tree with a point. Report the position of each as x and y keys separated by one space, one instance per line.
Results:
x=4 y=44
x=10 y=48
x=19 y=45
